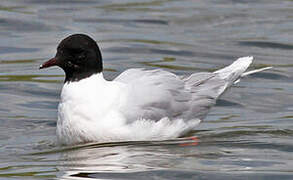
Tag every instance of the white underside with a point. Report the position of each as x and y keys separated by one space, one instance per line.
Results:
x=140 y=104
x=140 y=130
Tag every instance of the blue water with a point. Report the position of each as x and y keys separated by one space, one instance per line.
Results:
x=247 y=135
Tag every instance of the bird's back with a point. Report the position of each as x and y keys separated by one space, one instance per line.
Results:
x=155 y=94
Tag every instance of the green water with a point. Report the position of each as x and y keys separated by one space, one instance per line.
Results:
x=247 y=135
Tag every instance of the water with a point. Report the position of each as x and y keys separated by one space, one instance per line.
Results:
x=247 y=135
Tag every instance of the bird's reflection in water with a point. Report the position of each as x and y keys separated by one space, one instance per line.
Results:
x=123 y=157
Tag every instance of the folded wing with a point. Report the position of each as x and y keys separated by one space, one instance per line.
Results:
x=155 y=94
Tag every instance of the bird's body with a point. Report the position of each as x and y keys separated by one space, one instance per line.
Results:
x=137 y=105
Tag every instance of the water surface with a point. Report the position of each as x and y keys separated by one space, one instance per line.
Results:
x=247 y=135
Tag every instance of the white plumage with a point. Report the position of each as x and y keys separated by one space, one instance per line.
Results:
x=140 y=104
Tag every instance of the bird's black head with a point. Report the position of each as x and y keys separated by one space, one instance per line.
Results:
x=79 y=56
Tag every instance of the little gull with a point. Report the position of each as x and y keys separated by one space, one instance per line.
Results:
x=139 y=104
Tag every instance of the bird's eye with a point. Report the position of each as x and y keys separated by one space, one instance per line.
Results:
x=70 y=63
x=81 y=56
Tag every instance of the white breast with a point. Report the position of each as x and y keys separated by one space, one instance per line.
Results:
x=87 y=108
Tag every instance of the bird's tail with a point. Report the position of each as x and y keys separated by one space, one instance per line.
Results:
x=236 y=70
x=207 y=87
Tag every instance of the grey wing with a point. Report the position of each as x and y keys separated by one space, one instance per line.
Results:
x=207 y=87
x=154 y=94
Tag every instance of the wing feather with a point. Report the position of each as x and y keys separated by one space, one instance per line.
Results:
x=155 y=94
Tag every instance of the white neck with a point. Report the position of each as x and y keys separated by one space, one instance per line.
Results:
x=87 y=105
x=84 y=88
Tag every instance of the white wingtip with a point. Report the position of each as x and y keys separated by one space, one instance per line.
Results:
x=255 y=71
x=235 y=70
x=243 y=62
